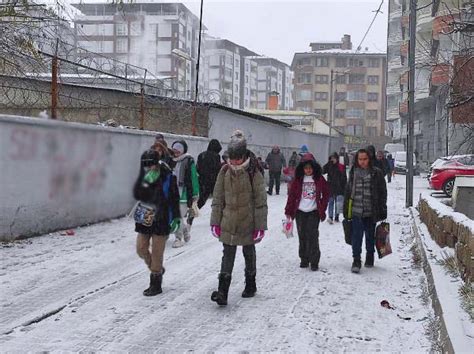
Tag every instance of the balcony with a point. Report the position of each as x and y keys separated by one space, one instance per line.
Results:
x=442 y=24
x=403 y=108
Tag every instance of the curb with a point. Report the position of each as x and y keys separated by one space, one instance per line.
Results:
x=444 y=340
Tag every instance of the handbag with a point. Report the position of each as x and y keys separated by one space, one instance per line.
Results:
x=144 y=214
x=382 y=239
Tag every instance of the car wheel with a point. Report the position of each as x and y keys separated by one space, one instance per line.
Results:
x=448 y=187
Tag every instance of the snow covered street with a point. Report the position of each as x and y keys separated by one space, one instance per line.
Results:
x=84 y=293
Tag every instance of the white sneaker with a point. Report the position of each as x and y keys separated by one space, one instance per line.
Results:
x=178 y=243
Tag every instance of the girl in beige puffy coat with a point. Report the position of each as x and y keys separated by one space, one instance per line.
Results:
x=239 y=215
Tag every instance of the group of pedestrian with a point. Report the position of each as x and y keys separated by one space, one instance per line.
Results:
x=171 y=189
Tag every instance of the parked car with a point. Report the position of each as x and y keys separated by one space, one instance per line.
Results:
x=392 y=148
x=444 y=173
x=443 y=161
x=401 y=163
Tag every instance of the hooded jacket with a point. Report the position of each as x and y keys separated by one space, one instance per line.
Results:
x=275 y=160
x=186 y=174
x=209 y=164
x=322 y=189
x=337 y=177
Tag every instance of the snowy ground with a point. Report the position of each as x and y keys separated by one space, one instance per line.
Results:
x=84 y=292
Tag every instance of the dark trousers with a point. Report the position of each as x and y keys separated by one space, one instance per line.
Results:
x=389 y=176
x=250 y=256
x=274 y=180
x=359 y=227
x=205 y=191
x=307 y=225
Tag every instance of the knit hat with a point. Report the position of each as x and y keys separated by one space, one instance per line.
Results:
x=237 y=147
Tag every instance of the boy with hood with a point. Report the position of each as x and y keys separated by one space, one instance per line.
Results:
x=208 y=167
x=337 y=180
x=307 y=202
x=186 y=174
x=239 y=215
x=156 y=215
x=275 y=161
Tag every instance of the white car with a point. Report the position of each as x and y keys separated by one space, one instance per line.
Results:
x=400 y=158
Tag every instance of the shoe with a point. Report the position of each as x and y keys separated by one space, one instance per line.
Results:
x=269 y=193
x=369 y=260
x=336 y=219
x=356 y=265
x=330 y=221
x=220 y=296
x=250 y=286
x=314 y=267
x=155 y=285
x=177 y=243
x=187 y=237
x=304 y=264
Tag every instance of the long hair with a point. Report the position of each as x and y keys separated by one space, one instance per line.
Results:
x=317 y=170
x=356 y=158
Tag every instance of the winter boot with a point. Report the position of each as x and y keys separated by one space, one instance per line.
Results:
x=177 y=243
x=250 y=285
x=220 y=296
x=304 y=264
x=336 y=219
x=356 y=265
x=369 y=260
x=314 y=267
x=155 y=285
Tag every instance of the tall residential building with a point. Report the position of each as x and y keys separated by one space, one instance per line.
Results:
x=160 y=37
x=442 y=41
x=244 y=79
x=358 y=81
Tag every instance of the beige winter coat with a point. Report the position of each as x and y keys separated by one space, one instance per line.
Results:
x=239 y=205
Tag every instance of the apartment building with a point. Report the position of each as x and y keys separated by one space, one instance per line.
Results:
x=356 y=104
x=438 y=50
x=161 y=37
x=244 y=79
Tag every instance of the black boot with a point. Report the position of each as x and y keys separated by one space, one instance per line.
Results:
x=220 y=296
x=369 y=260
x=356 y=265
x=155 y=285
x=250 y=285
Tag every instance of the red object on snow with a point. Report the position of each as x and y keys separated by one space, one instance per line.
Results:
x=69 y=232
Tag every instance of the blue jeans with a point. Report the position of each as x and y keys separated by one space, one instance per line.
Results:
x=335 y=202
x=359 y=227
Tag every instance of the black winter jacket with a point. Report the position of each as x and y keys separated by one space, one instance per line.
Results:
x=379 y=194
x=209 y=164
x=167 y=209
x=337 y=179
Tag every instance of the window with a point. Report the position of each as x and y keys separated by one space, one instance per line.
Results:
x=246 y=79
x=246 y=103
x=246 y=91
x=228 y=72
x=372 y=114
x=355 y=62
x=374 y=62
x=355 y=113
x=341 y=62
x=372 y=96
x=340 y=96
x=323 y=113
x=121 y=29
x=305 y=61
x=322 y=62
x=321 y=79
x=356 y=78
x=121 y=45
x=236 y=88
x=341 y=79
x=247 y=67
x=236 y=100
x=237 y=62
x=340 y=113
x=236 y=75
x=136 y=29
x=373 y=80
x=303 y=95
x=371 y=131
x=355 y=95
x=304 y=78
x=356 y=130
x=320 y=96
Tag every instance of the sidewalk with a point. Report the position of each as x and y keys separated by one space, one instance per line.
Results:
x=90 y=285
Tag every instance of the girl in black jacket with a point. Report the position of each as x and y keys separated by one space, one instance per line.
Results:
x=156 y=215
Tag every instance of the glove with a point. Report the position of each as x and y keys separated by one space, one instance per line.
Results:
x=258 y=235
x=216 y=231
x=174 y=226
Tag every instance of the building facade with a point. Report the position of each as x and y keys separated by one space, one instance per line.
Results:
x=160 y=37
x=438 y=49
x=356 y=105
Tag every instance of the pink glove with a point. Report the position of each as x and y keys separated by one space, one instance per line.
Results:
x=216 y=231
x=258 y=235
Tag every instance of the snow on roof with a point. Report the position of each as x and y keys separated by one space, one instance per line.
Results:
x=344 y=51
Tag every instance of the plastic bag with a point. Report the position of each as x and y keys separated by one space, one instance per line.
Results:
x=287 y=228
x=382 y=239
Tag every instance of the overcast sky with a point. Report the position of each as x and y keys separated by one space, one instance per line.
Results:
x=280 y=28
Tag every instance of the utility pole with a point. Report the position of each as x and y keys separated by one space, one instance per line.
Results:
x=331 y=100
x=411 y=104
x=54 y=83
x=197 y=73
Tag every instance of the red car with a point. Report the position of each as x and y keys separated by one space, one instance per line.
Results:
x=443 y=176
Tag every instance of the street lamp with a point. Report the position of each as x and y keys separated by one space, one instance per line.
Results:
x=331 y=102
x=197 y=71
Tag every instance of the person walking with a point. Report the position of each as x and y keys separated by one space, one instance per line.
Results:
x=368 y=191
x=275 y=161
x=337 y=180
x=307 y=201
x=294 y=160
x=156 y=214
x=239 y=215
x=186 y=174
x=208 y=167
x=391 y=165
